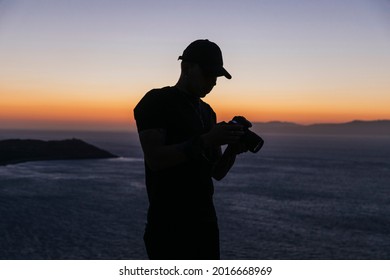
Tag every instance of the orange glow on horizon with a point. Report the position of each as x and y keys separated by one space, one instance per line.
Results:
x=102 y=110
x=117 y=115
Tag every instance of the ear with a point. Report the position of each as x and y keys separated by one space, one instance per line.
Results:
x=188 y=67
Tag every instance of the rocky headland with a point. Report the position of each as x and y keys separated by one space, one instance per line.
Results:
x=14 y=151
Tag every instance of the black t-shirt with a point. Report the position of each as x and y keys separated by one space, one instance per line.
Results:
x=182 y=193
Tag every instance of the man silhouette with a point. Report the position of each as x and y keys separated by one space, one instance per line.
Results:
x=182 y=143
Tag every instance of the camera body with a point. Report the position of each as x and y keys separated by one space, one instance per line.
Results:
x=250 y=139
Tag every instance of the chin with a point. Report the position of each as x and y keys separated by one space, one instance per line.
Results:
x=203 y=94
x=207 y=91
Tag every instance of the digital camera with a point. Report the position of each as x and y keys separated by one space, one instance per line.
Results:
x=251 y=140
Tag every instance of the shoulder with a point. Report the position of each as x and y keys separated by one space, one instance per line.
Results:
x=152 y=110
x=159 y=94
x=154 y=97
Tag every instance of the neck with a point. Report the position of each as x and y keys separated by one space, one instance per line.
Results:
x=183 y=86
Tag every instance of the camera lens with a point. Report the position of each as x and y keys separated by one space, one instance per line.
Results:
x=253 y=141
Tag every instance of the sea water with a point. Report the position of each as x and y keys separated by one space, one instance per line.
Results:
x=300 y=197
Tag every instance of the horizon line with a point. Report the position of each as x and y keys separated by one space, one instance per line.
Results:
x=132 y=127
x=321 y=123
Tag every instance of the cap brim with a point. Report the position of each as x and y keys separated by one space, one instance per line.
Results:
x=217 y=71
x=226 y=73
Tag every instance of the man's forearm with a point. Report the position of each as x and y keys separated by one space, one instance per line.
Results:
x=159 y=156
x=163 y=157
x=224 y=164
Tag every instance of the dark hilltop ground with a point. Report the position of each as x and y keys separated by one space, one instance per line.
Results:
x=14 y=151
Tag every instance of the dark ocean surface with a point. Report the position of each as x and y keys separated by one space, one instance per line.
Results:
x=300 y=197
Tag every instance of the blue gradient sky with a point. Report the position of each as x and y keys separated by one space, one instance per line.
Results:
x=86 y=63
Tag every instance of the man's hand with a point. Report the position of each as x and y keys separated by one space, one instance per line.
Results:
x=223 y=133
x=237 y=148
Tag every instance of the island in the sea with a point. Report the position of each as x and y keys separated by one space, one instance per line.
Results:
x=20 y=150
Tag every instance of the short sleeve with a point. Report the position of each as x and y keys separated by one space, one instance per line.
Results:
x=149 y=112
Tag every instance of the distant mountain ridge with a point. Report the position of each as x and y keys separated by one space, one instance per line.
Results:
x=17 y=150
x=356 y=127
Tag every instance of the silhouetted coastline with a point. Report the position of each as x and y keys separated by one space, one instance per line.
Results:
x=356 y=127
x=13 y=151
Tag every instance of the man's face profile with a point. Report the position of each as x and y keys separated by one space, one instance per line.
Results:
x=201 y=83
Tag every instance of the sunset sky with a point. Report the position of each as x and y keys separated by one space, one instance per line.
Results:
x=84 y=64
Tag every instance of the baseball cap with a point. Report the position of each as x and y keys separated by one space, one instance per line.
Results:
x=208 y=55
